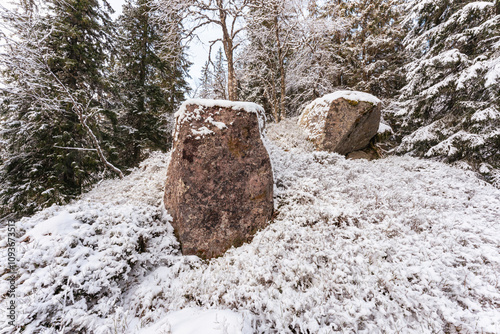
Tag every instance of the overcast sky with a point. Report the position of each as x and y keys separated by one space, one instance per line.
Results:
x=117 y=6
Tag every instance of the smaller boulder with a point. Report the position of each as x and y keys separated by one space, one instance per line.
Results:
x=342 y=122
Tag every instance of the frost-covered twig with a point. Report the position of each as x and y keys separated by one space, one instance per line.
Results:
x=75 y=148
x=82 y=117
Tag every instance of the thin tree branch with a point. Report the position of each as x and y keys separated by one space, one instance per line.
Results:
x=78 y=109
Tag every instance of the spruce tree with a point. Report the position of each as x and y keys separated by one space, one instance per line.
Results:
x=54 y=102
x=206 y=90
x=375 y=43
x=219 y=81
x=449 y=110
x=151 y=81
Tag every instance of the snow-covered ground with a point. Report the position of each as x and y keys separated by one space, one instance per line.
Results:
x=393 y=245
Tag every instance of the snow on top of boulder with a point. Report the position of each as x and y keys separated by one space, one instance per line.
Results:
x=350 y=95
x=322 y=104
x=183 y=115
x=236 y=105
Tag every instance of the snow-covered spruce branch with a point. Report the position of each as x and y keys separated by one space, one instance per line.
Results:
x=79 y=109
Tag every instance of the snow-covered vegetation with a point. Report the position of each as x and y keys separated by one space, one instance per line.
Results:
x=393 y=245
x=449 y=108
x=399 y=244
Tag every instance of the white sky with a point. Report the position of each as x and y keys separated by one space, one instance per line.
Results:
x=198 y=52
x=117 y=6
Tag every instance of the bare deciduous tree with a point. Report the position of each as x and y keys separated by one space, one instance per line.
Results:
x=271 y=25
x=196 y=14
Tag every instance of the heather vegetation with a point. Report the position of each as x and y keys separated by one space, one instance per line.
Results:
x=405 y=243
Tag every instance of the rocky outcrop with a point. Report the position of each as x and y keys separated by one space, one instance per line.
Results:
x=342 y=122
x=219 y=187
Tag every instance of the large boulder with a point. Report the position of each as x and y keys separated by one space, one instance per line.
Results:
x=342 y=122
x=219 y=187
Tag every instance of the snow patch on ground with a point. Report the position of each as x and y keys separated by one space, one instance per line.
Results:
x=195 y=321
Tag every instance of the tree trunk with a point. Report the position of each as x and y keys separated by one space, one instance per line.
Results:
x=276 y=113
x=281 y=65
x=227 y=42
x=283 y=88
x=231 y=77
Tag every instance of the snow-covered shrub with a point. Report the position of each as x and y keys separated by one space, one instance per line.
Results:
x=76 y=261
